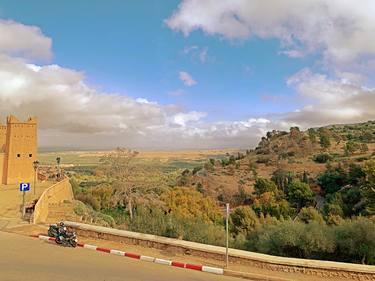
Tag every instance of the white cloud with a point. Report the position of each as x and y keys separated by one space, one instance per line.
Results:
x=341 y=29
x=22 y=40
x=71 y=113
x=182 y=119
x=330 y=101
x=187 y=79
x=197 y=53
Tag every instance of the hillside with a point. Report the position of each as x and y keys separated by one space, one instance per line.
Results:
x=304 y=153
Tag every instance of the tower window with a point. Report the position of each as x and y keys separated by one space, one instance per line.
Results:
x=30 y=155
x=18 y=155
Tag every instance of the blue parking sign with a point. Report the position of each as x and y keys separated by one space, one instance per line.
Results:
x=24 y=186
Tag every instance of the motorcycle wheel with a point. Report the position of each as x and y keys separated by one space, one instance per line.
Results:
x=73 y=243
x=58 y=240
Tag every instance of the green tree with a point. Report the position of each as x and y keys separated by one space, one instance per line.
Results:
x=300 y=194
x=243 y=220
x=368 y=187
x=332 y=180
x=128 y=180
x=264 y=185
x=351 y=147
x=324 y=141
x=189 y=203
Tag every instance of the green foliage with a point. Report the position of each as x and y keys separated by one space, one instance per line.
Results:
x=189 y=203
x=89 y=215
x=368 y=187
x=324 y=141
x=263 y=185
x=209 y=166
x=282 y=178
x=322 y=158
x=356 y=241
x=351 y=147
x=350 y=241
x=243 y=220
x=300 y=194
x=332 y=180
x=310 y=214
x=293 y=239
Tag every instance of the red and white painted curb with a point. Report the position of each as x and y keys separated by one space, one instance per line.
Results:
x=203 y=268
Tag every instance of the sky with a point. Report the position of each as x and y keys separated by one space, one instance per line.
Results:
x=184 y=74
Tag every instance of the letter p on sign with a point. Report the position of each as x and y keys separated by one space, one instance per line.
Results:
x=24 y=186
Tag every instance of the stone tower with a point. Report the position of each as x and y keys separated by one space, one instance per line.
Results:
x=18 y=150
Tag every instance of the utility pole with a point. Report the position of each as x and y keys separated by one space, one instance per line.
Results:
x=35 y=165
x=227 y=235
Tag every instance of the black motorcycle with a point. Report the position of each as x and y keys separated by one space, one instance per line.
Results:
x=67 y=239
x=54 y=230
x=62 y=235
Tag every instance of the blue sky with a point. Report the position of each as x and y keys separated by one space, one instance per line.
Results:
x=246 y=61
x=138 y=55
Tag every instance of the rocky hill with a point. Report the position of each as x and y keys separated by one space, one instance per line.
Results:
x=305 y=154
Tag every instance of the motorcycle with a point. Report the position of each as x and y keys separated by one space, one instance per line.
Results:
x=67 y=239
x=54 y=230
x=62 y=235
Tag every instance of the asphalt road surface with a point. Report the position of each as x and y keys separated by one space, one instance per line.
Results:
x=24 y=258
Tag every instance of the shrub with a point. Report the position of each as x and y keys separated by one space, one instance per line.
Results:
x=293 y=239
x=356 y=241
x=310 y=214
x=243 y=220
x=264 y=185
x=322 y=158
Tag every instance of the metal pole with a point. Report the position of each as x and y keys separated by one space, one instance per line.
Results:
x=227 y=234
x=23 y=204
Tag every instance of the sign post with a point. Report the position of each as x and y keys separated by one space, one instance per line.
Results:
x=227 y=235
x=23 y=188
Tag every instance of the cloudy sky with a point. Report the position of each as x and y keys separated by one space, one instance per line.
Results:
x=185 y=74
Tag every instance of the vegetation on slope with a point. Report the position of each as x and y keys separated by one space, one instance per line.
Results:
x=300 y=194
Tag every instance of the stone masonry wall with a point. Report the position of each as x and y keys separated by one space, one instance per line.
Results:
x=55 y=194
x=310 y=267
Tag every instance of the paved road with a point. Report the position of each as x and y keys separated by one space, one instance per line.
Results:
x=24 y=258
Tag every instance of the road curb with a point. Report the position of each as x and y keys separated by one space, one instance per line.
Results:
x=253 y=276
x=203 y=268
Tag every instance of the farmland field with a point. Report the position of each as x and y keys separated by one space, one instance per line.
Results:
x=165 y=160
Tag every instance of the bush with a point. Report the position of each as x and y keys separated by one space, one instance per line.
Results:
x=322 y=158
x=243 y=220
x=293 y=239
x=310 y=214
x=356 y=241
x=264 y=185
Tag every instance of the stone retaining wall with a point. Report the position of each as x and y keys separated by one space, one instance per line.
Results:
x=311 y=267
x=55 y=194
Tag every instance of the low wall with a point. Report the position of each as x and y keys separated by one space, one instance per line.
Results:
x=55 y=194
x=310 y=267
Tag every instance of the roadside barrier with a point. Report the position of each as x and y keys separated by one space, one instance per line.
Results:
x=204 y=268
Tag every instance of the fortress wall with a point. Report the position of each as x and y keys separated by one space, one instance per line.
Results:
x=55 y=194
x=316 y=268
x=2 y=156
x=21 y=150
x=3 y=134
